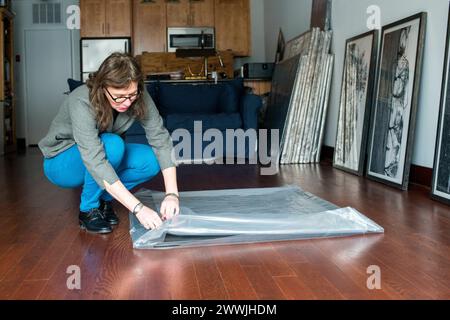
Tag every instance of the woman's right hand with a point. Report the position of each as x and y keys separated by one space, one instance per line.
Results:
x=149 y=218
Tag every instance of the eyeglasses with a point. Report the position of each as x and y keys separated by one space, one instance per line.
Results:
x=131 y=97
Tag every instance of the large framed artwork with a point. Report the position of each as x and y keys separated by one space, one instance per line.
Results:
x=440 y=188
x=356 y=102
x=397 y=95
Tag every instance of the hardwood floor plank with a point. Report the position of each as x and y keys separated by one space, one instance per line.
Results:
x=209 y=279
x=234 y=277
x=35 y=250
x=7 y=289
x=90 y=267
x=325 y=266
x=294 y=289
x=318 y=284
x=289 y=251
x=29 y=290
x=56 y=287
x=114 y=275
x=352 y=257
x=409 y=281
x=265 y=286
x=250 y=255
x=275 y=264
x=57 y=248
x=11 y=258
x=184 y=284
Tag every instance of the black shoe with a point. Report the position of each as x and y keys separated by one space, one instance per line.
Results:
x=93 y=221
x=108 y=212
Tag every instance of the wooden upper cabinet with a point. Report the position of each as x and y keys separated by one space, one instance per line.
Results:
x=118 y=18
x=178 y=13
x=105 y=18
x=232 y=22
x=202 y=13
x=92 y=18
x=149 y=26
x=190 y=13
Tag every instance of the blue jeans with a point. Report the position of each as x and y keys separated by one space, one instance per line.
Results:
x=133 y=163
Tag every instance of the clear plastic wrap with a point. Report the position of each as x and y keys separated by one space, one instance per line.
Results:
x=221 y=217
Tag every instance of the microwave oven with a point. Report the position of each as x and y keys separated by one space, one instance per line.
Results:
x=190 y=38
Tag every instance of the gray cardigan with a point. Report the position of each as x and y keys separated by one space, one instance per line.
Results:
x=75 y=124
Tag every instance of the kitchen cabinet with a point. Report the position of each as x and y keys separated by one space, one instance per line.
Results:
x=190 y=13
x=151 y=18
x=149 y=26
x=178 y=13
x=232 y=23
x=202 y=13
x=7 y=101
x=105 y=18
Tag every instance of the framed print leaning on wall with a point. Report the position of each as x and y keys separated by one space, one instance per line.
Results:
x=440 y=188
x=356 y=102
x=397 y=95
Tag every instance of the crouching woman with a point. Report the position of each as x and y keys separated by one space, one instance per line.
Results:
x=84 y=147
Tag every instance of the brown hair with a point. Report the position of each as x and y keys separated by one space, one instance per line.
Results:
x=117 y=71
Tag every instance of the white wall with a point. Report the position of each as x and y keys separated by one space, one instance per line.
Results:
x=258 y=40
x=22 y=22
x=293 y=16
x=349 y=19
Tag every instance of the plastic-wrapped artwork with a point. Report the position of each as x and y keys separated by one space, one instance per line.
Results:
x=221 y=217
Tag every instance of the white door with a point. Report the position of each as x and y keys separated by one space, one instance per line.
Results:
x=48 y=65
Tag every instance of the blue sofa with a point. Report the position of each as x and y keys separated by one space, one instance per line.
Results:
x=221 y=106
x=224 y=105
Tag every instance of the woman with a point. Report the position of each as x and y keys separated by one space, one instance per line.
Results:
x=83 y=146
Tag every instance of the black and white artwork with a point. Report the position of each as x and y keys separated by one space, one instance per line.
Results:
x=355 y=103
x=441 y=174
x=394 y=115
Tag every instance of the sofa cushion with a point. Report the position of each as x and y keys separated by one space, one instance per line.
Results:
x=152 y=89
x=197 y=98
x=221 y=121
x=229 y=99
x=73 y=84
x=232 y=92
x=238 y=85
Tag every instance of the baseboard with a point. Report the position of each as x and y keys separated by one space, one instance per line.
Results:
x=21 y=145
x=421 y=175
x=418 y=175
x=326 y=154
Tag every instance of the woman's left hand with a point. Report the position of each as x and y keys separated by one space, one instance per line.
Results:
x=170 y=207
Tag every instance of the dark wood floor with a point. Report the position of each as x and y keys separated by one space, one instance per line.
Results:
x=40 y=239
